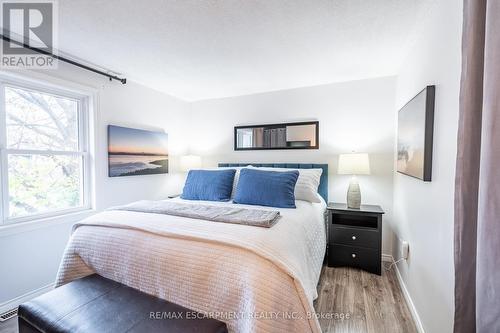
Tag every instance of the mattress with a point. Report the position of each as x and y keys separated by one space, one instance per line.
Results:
x=254 y=279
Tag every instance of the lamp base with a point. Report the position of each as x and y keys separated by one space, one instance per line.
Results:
x=354 y=194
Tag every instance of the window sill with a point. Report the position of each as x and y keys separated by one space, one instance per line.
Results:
x=8 y=229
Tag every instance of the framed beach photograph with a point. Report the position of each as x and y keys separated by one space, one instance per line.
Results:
x=135 y=152
x=415 y=133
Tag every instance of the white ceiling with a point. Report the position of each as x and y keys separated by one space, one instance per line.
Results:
x=200 y=49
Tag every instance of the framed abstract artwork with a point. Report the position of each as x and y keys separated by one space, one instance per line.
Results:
x=415 y=133
x=135 y=152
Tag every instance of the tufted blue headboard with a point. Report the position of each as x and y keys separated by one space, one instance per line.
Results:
x=323 y=184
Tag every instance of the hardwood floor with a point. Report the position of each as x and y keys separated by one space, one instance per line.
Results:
x=354 y=301
x=350 y=301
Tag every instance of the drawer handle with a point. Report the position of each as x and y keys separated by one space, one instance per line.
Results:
x=353 y=255
x=353 y=237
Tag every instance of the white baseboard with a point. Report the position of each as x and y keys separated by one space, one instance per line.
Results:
x=387 y=258
x=14 y=303
x=406 y=294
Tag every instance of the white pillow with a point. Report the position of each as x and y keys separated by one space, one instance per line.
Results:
x=306 y=188
x=236 y=178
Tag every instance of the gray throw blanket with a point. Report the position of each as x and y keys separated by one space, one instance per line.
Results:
x=237 y=215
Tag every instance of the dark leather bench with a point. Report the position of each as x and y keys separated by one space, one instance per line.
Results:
x=96 y=304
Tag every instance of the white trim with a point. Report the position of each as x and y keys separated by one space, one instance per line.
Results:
x=4 y=202
x=387 y=258
x=14 y=303
x=34 y=224
x=85 y=99
x=37 y=78
x=406 y=294
x=44 y=215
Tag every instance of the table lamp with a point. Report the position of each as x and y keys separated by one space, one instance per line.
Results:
x=354 y=164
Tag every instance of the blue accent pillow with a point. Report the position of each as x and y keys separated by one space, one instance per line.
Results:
x=210 y=185
x=266 y=188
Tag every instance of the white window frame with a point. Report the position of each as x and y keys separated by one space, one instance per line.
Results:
x=84 y=101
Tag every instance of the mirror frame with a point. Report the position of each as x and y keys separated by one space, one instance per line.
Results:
x=316 y=123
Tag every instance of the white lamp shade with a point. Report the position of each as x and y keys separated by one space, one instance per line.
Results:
x=189 y=162
x=354 y=164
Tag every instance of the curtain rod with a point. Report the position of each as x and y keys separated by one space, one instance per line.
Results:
x=69 y=61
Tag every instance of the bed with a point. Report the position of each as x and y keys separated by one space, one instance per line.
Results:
x=254 y=279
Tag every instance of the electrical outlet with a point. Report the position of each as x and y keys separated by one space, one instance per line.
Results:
x=405 y=250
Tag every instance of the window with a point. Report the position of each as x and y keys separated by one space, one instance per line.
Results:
x=44 y=152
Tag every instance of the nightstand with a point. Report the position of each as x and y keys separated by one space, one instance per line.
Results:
x=355 y=237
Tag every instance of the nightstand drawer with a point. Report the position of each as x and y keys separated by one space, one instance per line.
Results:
x=342 y=255
x=355 y=237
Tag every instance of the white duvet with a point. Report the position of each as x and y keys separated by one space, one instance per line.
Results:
x=254 y=279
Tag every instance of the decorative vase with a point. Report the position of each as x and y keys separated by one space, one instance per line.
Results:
x=354 y=194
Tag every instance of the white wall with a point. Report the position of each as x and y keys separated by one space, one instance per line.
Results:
x=30 y=258
x=423 y=212
x=353 y=116
x=357 y=115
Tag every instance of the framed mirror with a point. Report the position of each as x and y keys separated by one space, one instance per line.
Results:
x=303 y=135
